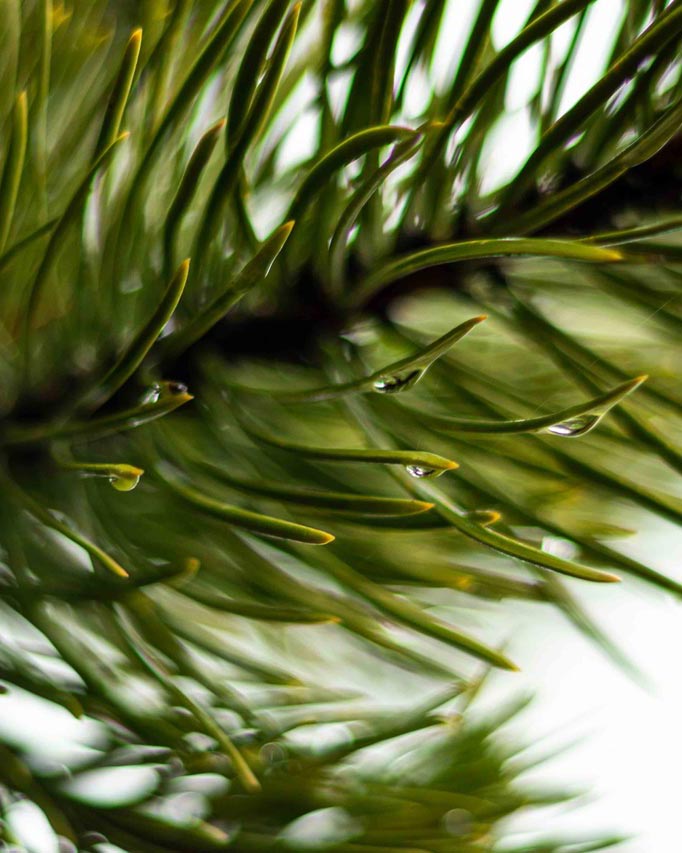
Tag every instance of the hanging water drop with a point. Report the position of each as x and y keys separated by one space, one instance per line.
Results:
x=125 y=482
x=123 y=477
x=394 y=383
x=574 y=427
x=120 y=476
x=152 y=394
x=162 y=390
x=421 y=472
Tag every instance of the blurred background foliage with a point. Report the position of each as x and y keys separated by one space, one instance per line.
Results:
x=277 y=639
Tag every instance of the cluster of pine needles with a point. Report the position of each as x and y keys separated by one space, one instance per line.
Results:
x=247 y=249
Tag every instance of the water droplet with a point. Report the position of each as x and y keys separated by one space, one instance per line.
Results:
x=124 y=482
x=159 y=390
x=393 y=383
x=152 y=394
x=458 y=822
x=421 y=471
x=574 y=427
x=272 y=753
